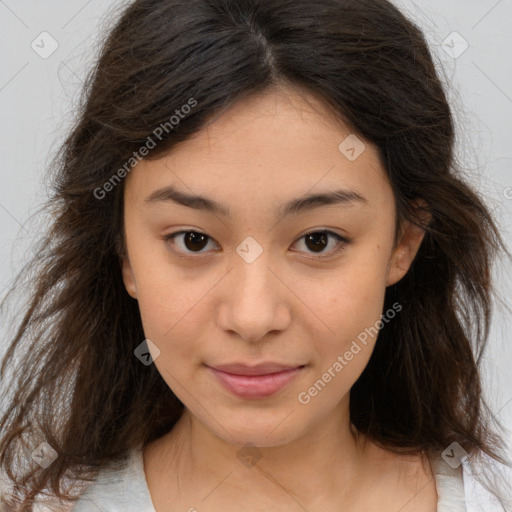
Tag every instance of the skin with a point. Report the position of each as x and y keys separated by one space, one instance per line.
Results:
x=213 y=307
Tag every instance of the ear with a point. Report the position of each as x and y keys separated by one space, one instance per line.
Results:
x=128 y=277
x=408 y=245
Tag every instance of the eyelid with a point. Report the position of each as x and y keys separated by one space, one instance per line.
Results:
x=181 y=254
x=343 y=241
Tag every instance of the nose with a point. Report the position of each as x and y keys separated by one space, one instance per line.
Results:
x=254 y=300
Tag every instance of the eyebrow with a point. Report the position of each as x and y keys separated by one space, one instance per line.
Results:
x=293 y=207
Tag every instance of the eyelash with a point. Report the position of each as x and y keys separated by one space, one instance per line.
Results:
x=342 y=242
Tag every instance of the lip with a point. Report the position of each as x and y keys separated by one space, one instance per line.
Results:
x=258 y=369
x=259 y=381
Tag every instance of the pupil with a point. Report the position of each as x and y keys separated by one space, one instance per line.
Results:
x=195 y=238
x=316 y=238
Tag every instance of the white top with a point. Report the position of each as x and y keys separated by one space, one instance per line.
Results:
x=123 y=488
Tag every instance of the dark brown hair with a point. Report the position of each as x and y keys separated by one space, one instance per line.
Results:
x=77 y=384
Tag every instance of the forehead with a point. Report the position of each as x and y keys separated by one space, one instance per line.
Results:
x=265 y=149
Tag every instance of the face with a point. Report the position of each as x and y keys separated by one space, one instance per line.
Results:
x=255 y=273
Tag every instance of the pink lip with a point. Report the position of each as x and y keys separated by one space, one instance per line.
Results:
x=255 y=382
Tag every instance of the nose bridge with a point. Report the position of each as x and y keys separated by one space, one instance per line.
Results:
x=252 y=305
x=251 y=267
x=252 y=280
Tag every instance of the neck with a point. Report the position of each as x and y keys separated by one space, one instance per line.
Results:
x=328 y=457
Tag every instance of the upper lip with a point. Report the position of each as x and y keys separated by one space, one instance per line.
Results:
x=259 y=369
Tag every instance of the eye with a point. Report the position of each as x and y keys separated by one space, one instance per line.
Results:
x=193 y=241
x=317 y=241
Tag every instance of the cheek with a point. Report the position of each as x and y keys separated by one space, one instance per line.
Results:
x=173 y=319
x=166 y=311
x=170 y=306
x=351 y=303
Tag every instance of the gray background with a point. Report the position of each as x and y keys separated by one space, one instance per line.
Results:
x=38 y=95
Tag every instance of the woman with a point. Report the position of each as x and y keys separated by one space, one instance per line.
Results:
x=255 y=291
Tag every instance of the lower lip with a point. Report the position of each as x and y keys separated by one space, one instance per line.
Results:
x=255 y=386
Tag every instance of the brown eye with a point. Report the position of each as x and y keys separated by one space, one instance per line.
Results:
x=191 y=241
x=318 y=241
x=195 y=241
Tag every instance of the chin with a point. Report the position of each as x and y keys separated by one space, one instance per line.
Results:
x=264 y=436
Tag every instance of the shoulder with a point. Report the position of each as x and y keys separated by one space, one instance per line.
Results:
x=462 y=485
x=121 y=487
x=480 y=472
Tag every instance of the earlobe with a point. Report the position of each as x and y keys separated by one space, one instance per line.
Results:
x=128 y=278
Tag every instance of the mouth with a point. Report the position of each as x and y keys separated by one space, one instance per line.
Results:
x=260 y=381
